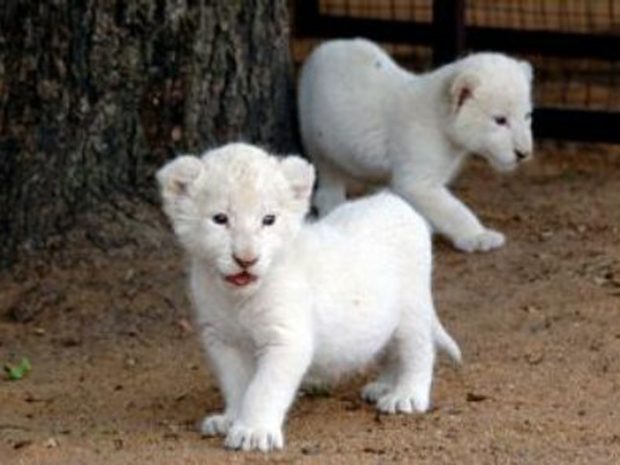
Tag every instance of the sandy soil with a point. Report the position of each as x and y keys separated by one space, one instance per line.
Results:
x=117 y=374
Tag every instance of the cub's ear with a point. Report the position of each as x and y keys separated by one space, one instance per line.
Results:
x=176 y=176
x=300 y=175
x=463 y=88
x=528 y=69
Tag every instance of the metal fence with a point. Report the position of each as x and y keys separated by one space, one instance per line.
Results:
x=573 y=44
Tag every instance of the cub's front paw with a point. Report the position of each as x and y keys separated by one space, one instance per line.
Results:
x=215 y=425
x=258 y=438
x=484 y=241
x=395 y=402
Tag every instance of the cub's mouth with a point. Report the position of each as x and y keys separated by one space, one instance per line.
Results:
x=241 y=279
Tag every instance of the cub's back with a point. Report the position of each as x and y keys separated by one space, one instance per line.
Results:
x=378 y=238
x=382 y=218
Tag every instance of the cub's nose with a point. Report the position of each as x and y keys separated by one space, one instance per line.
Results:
x=521 y=155
x=245 y=262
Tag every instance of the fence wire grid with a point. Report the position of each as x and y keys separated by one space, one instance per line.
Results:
x=581 y=83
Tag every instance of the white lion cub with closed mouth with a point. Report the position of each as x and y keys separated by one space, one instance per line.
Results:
x=364 y=119
x=277 y=298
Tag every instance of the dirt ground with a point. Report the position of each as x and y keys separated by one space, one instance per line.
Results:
x=118 y=377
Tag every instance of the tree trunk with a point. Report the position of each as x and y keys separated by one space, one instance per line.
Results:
x=95 y=95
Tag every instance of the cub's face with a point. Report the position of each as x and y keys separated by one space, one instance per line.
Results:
x=492 y=112
x=236 y=209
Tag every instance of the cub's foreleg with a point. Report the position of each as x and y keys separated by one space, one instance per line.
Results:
x=449 y=216
x=280 y=369
x=234 y=371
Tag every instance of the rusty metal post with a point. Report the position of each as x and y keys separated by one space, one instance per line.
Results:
x=448 y=30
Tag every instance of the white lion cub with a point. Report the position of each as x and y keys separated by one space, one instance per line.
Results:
x=365 y=119
x=277 y=298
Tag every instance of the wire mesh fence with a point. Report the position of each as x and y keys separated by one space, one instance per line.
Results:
x=420 y=10
x=562 y=81
x=582 y=16
x=569 y=15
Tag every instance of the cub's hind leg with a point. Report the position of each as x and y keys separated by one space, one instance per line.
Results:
x=331 y=188
x=415 y=349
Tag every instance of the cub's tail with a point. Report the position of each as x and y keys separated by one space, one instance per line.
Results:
x=445 y=342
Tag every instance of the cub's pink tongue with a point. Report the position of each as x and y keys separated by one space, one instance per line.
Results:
x=241 y=279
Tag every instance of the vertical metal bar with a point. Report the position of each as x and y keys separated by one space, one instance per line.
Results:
x=448 y=30
x=307 y=17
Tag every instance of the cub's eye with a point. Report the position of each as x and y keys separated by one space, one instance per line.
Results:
x=500 y=120
x=268 y=220
x=220 y=218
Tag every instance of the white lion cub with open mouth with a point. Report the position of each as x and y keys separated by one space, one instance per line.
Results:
x=277 y=298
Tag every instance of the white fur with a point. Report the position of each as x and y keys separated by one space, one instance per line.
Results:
x=365 y=119
x=328 y=298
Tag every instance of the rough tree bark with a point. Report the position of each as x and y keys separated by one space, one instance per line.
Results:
x=94 y=95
